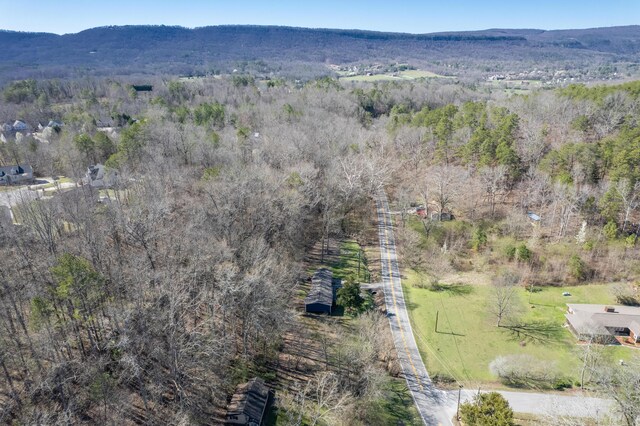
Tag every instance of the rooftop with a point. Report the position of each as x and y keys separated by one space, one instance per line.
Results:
x=321 y=288
x=595 y=319
x=250 y=399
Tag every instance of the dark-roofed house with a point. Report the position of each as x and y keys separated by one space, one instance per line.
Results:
x=320 y=297
x=604 y=323
x=17 y=174
x=248 y=403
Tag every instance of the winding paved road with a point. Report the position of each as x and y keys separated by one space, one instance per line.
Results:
x=432 y=403
x=437 y=407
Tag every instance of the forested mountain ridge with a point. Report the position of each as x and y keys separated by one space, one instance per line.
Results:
x=178 y=50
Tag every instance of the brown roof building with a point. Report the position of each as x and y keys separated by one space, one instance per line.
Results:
x=603 y=322
x=248 y=404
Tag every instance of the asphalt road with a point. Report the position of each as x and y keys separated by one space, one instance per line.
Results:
x=433 y=404
x=11 y=197
x=438 y=407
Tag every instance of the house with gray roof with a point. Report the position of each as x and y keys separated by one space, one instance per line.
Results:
x=320 y=298
x=15 y=175
x=20 y=126
x=99 y=176
x=248 y=404
x=604 y=323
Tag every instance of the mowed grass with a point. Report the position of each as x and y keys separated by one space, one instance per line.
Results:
x=402 y=75
x=352 y=263
x=370 y=78
x=468 y=339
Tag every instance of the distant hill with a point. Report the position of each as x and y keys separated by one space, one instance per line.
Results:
x=177 y=50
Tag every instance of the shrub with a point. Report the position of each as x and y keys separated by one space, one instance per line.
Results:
x=479 y=239
x=349 y=296
x=487 y=409
x=523 y=254
x=625 y=295
x=577 y=268
x=524 y=371
x=630 y=241
x=562 y=383
x=510 y=252
x=610 y=230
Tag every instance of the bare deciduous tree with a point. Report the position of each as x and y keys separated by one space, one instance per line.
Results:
x=503 y=303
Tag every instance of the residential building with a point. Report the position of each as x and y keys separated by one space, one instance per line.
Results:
x=99 y=177
x=20 y=126
x=604 y=323
x=14 y=175
x=321 y=296
x=248 y=404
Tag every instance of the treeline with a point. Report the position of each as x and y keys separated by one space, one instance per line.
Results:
x=599 y=93
x=302 y=52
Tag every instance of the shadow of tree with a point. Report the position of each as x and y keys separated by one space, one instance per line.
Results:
x=536 y=332
x=453 y=289
x=410 y=305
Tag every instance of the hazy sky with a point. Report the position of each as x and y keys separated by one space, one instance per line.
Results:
x=415 y=16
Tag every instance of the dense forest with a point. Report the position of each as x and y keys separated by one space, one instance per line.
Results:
x=148 y=301
x=304 y=53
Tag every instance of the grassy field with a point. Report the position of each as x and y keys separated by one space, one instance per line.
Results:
x=467 y=339
x=403 y=75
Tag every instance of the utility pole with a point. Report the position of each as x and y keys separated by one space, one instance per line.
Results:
x=437 y=314
x=458 y=409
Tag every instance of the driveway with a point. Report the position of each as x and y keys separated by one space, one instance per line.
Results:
x=10 y=196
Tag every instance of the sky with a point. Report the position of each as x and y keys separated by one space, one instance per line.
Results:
x=412 y=16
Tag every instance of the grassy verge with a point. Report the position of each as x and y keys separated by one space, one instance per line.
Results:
x=395 y=406
x=352 y=263
x=467 y=339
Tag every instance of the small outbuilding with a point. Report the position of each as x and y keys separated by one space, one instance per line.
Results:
x=320 y=297
x=535 y=219
x=248 y=404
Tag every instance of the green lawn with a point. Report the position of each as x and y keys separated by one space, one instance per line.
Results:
x=402 y=75
x=468 y=340
x=395 y=406
x=352 y=263
x=370 y=78
x=412 y=74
